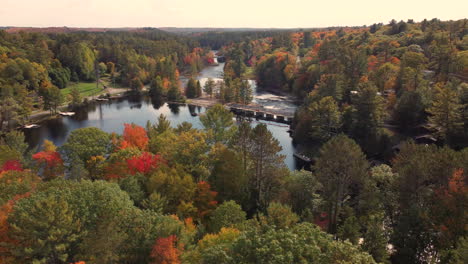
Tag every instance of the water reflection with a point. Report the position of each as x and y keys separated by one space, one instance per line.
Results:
x=174 y=108
x=110 y=117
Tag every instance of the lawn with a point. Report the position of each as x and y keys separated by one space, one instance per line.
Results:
x=85 y=89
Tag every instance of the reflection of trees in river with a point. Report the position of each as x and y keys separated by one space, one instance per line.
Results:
x=135 y=98
x=137 y=106
x=33 y=136
x=191 y=109
x=57 y=128
x=174 y=108
x=81 y=113
x=157 y=103
x=135 y=101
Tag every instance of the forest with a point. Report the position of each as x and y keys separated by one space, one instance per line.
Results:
x=383 y=115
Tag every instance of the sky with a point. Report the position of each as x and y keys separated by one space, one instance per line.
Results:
x=223 y=13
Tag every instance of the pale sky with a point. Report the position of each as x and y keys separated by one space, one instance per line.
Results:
x=222 y=13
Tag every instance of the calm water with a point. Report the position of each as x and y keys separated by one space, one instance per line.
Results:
x=110 y=117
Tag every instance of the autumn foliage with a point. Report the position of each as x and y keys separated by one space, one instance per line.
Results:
x=165 y=251
x=134 y=136
x=205 y=199
x=450 y=207
x=11 y=165
x=49 y=160
x=144 y=163
x=5 y=239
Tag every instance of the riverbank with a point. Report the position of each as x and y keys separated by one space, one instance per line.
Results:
x=42 y=115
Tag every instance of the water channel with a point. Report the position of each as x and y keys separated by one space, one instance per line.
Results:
x=111 y=115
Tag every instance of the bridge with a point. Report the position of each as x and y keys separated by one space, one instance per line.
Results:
x=260 y=112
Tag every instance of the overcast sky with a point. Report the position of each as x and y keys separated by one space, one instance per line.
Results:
x=222 y=13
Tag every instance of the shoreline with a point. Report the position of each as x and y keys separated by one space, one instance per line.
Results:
x=40 y=116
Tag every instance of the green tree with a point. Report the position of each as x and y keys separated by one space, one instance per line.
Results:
x=245 y=92
x=75 y=96
x=51 y=244
x=281 y=216
x=8 y=112
x=174 y=93
x=80 y=58
x=155 y=202
x=422 y=170
x=198 y=89
x=331 y=85
x=267 y=170
x=156 y=88
x=15 y=140
x=161 y=126
x=241 y=142
x=58 y=222
x=375 y=240
x=17 y=183
x=174 y=184
x=368 y=117
x=409 y=110
x=52 y=99
x=84 y=143
x=209 y=87
x=218 y=120
x=227 y=175
x=228 y=214
x=349 y=230
x=446 y=112
x=304 y=192
x=385 y=76
x=326 y=119
x=340 y=165
x=303 y=243
x=191 y=88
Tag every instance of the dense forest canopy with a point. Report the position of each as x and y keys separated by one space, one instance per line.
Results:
x=383 y=114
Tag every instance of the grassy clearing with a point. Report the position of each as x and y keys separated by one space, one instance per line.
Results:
x=85 y=89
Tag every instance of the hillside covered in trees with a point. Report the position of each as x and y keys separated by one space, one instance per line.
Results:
x=35 y=66
x=383 y=115
x=379 y=85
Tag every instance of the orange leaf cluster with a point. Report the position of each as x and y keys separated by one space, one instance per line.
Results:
x=450 y=205
x=372 y=63
x=165 y=251
x=395 y=60
x=205 y=199
x=134 y=136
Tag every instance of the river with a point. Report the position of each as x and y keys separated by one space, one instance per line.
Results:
x=110 y=117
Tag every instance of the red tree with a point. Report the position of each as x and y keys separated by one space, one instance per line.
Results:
x=11 y=165
x=49 y=160
x=144 y=163
x=165 y=251
x=134 y=136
